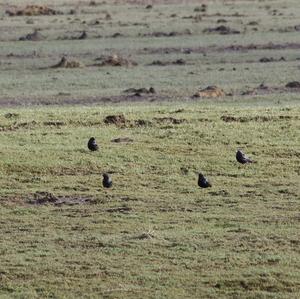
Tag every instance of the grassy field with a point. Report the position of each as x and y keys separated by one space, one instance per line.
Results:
x=155 y=234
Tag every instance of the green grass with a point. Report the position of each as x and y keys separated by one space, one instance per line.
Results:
x=237 y=239
x=155 y=234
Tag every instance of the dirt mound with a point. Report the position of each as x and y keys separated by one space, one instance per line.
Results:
x=293 y=84
x=118 y=120
x=34 y=36
x=122 y=139
x=32 y=10
x=115 y=60
x=210 y=92
x=65 y=63
x=222 y=30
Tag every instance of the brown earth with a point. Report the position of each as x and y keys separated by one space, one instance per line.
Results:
x=118 y=120
x=47 y=198
x=210 y=92
x=32 y=10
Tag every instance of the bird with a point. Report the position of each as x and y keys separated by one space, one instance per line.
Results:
x=203 y=182
x=107 y=181
x=242 y=158
x=92 y=144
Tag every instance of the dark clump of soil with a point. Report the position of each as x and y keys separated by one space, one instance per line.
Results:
x=34 y=36
x=118 y=120
x=32 y=10
x=66 y=63
x=270 y=59
x=149 y=6
x=122 y=139
x=140 y=91
x=293 y=84
x=221 y=30
x=167 y=34
x=115 y=60
x=253 y=23
x=266 y=59
x=171 y=120
x=244 y=119
x=117 y=34
x=44 y=198
x=165 y=63
x=54 y=123
x=210 y=92
x=141 y=123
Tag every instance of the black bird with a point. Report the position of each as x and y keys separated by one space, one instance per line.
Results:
x=203 y=182
x=107 y=181
x=242 y=158
x=92 y=144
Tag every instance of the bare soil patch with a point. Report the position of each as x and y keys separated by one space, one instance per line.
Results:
x=257 y=118
x=118 y=120
x=47 y=198
x=32 y=10
x=165 y=63
x=230 y=48
x=221 y=30
x=210 y=92
x=166 y=34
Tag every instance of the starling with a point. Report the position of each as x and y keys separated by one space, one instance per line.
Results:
x=203 y=182
x=107 y=181
x=242 y=158
x=92 y=144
